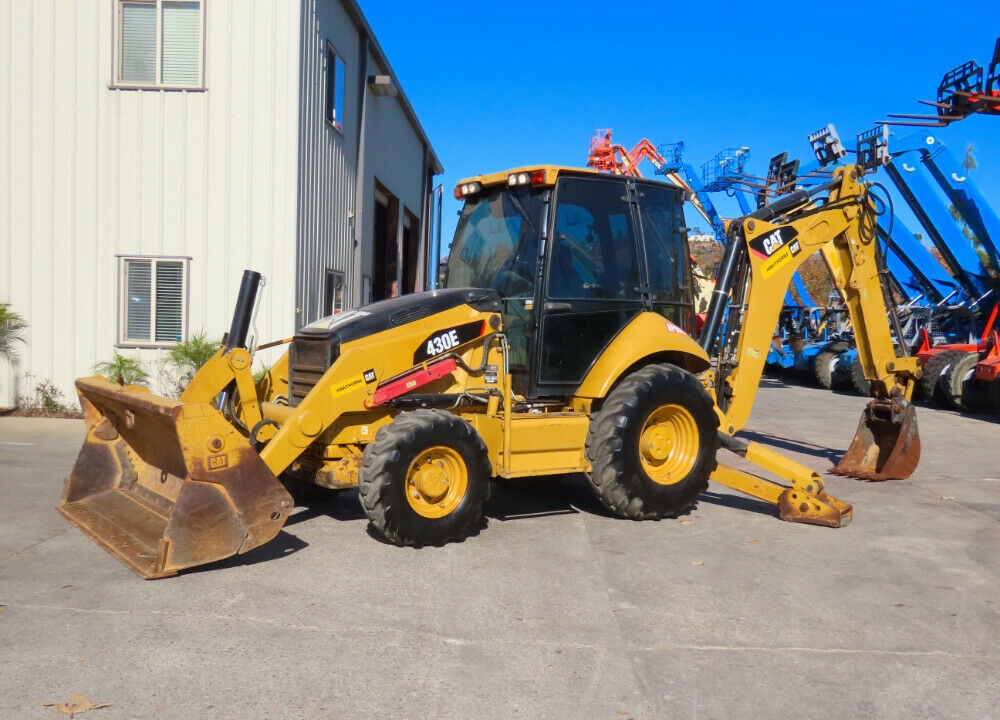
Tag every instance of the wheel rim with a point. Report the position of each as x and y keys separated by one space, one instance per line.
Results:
x=669 y=444
x=436 y=482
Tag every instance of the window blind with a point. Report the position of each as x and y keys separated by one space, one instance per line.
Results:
x=169 y=301
x=181 y=44
x=138 y=308
x=138 y=61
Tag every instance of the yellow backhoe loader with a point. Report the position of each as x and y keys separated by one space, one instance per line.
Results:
x=560 y=343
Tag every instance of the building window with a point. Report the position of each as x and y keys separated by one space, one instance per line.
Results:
x=159 y=43
x=334 y=88
x=333 y=292
x=152 y=301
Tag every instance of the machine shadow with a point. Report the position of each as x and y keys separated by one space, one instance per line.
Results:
x=313 y=503
x=543 y=496
x=283 y=545
x=826 y=453
x=738 y=502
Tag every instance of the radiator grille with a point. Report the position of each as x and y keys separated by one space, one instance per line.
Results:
x=308 y=360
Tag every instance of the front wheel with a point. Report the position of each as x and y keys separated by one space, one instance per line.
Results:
x=995 y=394
x=652 y=445
x=425 y=479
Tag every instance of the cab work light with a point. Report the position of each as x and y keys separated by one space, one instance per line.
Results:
x=467 y=189
x=534 y=177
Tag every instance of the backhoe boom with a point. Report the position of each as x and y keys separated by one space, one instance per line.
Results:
x=766 y=250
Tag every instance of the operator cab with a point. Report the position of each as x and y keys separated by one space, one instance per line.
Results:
x=575 y=256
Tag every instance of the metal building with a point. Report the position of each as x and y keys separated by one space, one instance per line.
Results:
x=150 y=150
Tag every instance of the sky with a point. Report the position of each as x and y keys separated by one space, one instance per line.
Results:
x=517 y=83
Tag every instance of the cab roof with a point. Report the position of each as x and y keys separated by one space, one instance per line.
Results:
x=549 y=173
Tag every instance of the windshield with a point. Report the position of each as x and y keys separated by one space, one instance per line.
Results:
x=496 y=241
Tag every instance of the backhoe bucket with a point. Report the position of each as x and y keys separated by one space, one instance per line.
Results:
x=163 y=485
x=886 y=445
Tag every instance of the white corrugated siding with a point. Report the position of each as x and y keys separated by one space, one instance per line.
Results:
x=88 y=173
x=244 y=174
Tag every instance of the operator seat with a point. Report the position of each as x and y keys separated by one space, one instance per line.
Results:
x=564 y=280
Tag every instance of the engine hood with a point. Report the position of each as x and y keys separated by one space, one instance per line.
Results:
x=394 y=312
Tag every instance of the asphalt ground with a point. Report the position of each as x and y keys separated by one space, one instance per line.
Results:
x=554 y=610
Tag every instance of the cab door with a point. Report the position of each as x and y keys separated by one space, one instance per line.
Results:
x=665 y=253
x=593 y=284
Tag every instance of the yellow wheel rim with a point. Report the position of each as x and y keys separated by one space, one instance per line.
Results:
x=436 y=482
x=669 y=444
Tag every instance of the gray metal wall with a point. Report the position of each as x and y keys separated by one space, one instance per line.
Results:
x=380 y=141
x=327 y=157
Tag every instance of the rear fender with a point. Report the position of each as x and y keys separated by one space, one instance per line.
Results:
x=649 y=336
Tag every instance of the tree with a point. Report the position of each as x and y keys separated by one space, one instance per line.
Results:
x=12 y=327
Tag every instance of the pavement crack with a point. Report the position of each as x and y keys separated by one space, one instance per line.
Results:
x=40 y=541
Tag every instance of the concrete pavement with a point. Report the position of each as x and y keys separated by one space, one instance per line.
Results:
x=554 y=610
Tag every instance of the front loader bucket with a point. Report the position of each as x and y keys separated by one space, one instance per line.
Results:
x=164 y=485
x=886 y=445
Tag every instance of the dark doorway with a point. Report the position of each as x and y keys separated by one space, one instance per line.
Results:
x=386 y=248
x=411 y=252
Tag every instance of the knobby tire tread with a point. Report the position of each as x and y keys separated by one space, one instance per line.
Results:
x=616 y=476
x=381 y=485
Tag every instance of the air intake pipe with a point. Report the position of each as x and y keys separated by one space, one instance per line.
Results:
x=243 y=313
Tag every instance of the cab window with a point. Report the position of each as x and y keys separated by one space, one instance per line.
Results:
x=593 y=250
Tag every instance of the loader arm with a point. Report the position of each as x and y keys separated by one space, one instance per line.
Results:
x=166 y=484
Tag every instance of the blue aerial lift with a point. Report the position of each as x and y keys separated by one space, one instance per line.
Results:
x=908 y=167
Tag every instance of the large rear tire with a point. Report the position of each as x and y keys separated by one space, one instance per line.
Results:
x=825 y=361
x=425 y=479
x=964 y=391
x=652 y=445
x=934 y=368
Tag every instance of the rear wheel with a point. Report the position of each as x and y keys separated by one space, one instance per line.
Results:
x=964 y=391
x=825 y=362
x=653 y=444
x=425 y=479
x=934 y=368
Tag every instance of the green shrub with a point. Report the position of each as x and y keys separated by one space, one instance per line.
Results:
x=122 y=369
x=189 y=356
x=185 y=359
x=46 y=398
x=12 y=327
